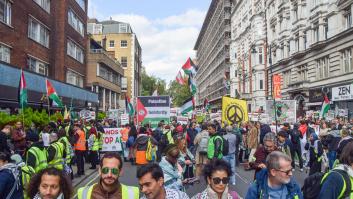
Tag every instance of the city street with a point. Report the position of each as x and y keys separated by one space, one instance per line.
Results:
x=243 y=180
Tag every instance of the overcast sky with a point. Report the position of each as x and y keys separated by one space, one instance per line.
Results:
x=166 y=29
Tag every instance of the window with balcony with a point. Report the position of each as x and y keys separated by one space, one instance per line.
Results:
x=37 y=66
x=74 y=78
x=75 y=51
x=75 y=22
x=5 y=11
x=82 y=4
x=302 y=73
x=111 y=43
x=347 y=64
x=5 y=53
x=38 y=32
x=123 y=44
x=123 y=62
x=348 y=18
x=322 y=68
x=45 y=4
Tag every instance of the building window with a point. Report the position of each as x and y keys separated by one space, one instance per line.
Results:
x=5 y=11
x=261 y=84
x=75 y=22
x=74 y=78
x=305 y=41
x=295 y=13
x=111 y=43
x=316 y=33
x=45 y=4
x=97 y=28
x=75 y=51
x=38 y=32
x=302 y=72
x=4 y=54
x=286 y=78
x=82 y=4
x=122 y=28
x=347 y=64
x=348 y=18
x=123 y=44
x=260 y=55
x=123 y=62
x=326 y=28
x=296 y=41
x=37 y=66
x=322 y=68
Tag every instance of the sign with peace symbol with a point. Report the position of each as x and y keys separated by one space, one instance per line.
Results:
x=234 y=113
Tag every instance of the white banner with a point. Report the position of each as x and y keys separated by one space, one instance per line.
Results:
x=341 y=93
x=87 y=115
x=124 y=119
x=182 y=120
x=112 y=139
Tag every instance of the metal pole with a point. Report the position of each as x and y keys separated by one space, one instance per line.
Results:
x=273 y=94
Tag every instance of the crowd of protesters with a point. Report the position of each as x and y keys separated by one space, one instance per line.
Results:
x=173 y=156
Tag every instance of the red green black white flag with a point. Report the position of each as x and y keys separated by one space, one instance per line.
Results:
x=22 y=94
x=51 y=93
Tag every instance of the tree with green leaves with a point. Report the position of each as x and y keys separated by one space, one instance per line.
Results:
x=178 y=93
x=151 y=83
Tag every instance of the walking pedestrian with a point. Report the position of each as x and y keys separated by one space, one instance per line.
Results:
x=215 y=143
x=295 y=137
x=108 y=185
x=19 y=139
x=253 y=140
x=275 y=181
x=10 y=178
x=230 y=158
x=56 y=153
x=217 y=174
x=201 y=143
x=191 y=134
x=315 y=154
x=4 y=137
x=49 y=183
x=151 y=181
x=80 y=149
x=140 y=146
x=93 y=146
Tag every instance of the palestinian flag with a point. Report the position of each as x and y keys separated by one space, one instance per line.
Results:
x=226 y=81
x=325 y=106
x=189 y=67
x=51 y=93
x=206 y=105
x=180 y=79
x=188 y=106
x=22 y=93
x=129 y=107
x=192 y=85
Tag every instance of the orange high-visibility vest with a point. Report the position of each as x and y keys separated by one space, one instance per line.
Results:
x=80 y=145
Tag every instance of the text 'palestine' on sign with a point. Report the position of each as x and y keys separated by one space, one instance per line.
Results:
x=234 y=111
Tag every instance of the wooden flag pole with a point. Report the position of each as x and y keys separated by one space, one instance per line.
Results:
x=48 y=106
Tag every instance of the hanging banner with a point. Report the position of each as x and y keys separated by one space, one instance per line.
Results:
x=285 y=109
x=152 y=109
x=277 y=86
x=112 y=139
x=234 y=111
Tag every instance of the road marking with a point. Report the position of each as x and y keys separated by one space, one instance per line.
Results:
x=243 y=179
x=93 y=179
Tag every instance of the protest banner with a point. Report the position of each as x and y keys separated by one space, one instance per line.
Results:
x=87 y=115
x=234 y=111
x=285 y=109
x=112 y=139
x=152 y=109
x=182 y=120
x=124 y=119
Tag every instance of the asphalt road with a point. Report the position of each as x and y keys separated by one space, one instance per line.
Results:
x=243 y=180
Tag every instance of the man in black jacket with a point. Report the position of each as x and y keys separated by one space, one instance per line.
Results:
x=4 y=136
x=295 y=137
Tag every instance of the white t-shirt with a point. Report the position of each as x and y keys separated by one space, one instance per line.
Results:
x=45 y=138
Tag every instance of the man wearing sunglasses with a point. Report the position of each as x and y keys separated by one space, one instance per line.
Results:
x=276 y=181
x=151 y=183
x=109 y=185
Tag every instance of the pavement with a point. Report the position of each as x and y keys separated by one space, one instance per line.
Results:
x=128 y=177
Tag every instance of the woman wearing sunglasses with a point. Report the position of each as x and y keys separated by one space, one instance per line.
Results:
x=217 y=174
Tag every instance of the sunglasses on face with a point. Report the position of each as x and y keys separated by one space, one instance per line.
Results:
x=219 y=180
x=115 y=171
x=286 y=172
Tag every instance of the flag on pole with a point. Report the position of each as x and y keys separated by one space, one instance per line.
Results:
x=22 y=93
x=192 y=85
x=206 y=105
x=189 y=67
x=188 y=106
x=180 y=78
x=325 y=107
x=129 y=107
x=51 y=93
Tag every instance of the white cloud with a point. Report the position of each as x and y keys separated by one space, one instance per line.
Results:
x=166 y=43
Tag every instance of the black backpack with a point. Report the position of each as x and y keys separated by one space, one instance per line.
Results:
x=225 y=149
x=312 y=184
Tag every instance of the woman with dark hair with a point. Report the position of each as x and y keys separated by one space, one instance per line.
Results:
x=49 y=183
x=132 y=135
x=335 y=184
x=217 y=174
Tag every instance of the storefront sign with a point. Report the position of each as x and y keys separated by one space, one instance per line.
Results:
x=342 y=93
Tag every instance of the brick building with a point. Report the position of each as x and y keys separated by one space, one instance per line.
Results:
x=47 y=38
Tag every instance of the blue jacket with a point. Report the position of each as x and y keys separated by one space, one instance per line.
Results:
x=261 y=186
